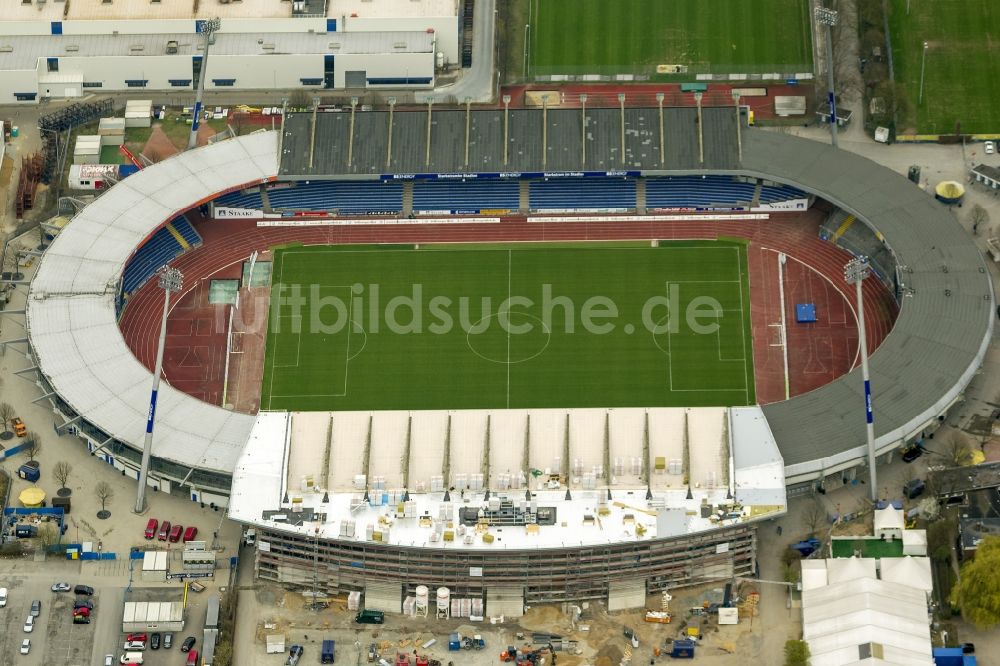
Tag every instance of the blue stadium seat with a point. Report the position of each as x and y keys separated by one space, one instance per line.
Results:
x=241 y=199
x=579 y=194
x=345 y=197
x=157 y=251
x=465 y=197
x=186 y=231
x=698 y=192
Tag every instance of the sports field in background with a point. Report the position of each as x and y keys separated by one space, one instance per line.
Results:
x=962 y=68
x=634 y=36
x=373 y=352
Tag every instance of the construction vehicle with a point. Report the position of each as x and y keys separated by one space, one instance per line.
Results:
x=19 y=428
x=402 y=659
x=527 y=657
x=473 y=642
x=683 y=649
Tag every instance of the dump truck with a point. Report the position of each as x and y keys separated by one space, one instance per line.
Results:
x=19 y=428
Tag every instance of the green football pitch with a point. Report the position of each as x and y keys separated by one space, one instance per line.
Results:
x=519 y=326
x=961 y=68
x=634 y=36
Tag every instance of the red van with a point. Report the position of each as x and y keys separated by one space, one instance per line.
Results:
x=151 y=528
x=190 y=533
x=192 y=659
x=164 y=530
x=175 y=533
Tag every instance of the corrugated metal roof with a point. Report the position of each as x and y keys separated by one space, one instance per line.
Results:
x=23 y=51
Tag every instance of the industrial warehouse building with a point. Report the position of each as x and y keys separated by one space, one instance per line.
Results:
x=58 y=49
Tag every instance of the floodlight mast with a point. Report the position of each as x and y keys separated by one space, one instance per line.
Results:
x=855 y=273
x=208 y=27
x=828 y=17
x=170 y=281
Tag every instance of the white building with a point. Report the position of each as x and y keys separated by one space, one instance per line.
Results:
x=35 y=67
x=59 y=49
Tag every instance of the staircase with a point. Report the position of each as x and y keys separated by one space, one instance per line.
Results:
x=467 y=12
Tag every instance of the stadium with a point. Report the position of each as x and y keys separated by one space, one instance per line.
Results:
x=509 y=468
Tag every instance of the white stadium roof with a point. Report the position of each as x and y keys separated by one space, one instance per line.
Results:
x=71 y=305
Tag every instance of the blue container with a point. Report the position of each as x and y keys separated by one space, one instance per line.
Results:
x=454 y=642
x=29 y=473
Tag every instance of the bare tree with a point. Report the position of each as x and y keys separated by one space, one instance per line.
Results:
x=48 y=535
x=956 y=449
x=32 y=444
x=104 y=493
x=814 y=517
x=978 y=216
x=6 y=415
x=61 y=471
x=890 y=103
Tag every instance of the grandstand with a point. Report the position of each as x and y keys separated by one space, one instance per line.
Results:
x=601 y=194
x=431 y=196
x=945 y=315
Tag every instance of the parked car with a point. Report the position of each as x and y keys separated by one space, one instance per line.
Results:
x=143 y=637
x=61 y=587
x=3 y=597
x=81 y=619
x=109 y=660
x=190 y=533
x=175 y=533
x=188 y=644
x=989 y=147
x=911 y=453
x=192 y=659
x=154 y=641
x=294 y=654
x=83 y=603
x=135 y=646
x=151 y=527
x=83 y=589
x=36 y=608
x=83 y=610
x=914 y=488
x=29 y=625
x=967 y=648
x=168 y=641
x=164 y=530
x=26 y=646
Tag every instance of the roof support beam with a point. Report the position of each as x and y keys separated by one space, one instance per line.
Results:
x=701 y=133
x=506 y=127
x=621 y=108
x=312 y=132
x=663 y=155
x=44 y=397
x=405 y=462
x=105 y=443
x=427 y=154
x=63 y=427
x=350 y=136
x=186 y=476
x=388 y=144
x=25 y=371
x=545 y=131
x=446 y=459
x=583 y=131
x=468 y=127
x=485 y=467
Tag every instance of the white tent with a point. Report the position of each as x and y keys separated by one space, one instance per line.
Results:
x=813 y=574
x=863 y=620
x=912 y=571
x=844 y=569
x=915 y=542
x=889 y=523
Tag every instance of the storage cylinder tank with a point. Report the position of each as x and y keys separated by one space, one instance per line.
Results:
x=422 y=594
x=443 y=596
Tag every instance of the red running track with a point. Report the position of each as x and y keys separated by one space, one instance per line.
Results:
x=818 y=353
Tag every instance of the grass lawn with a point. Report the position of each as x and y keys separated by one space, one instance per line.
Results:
x=962 y=65
x=868 y=548
x=582 y=327
x=634 y=36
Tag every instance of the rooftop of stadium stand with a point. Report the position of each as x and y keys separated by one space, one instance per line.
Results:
x=267 y=474
x=25 y=50
x=526 y=137
x=391 y=8
x=937 y=345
